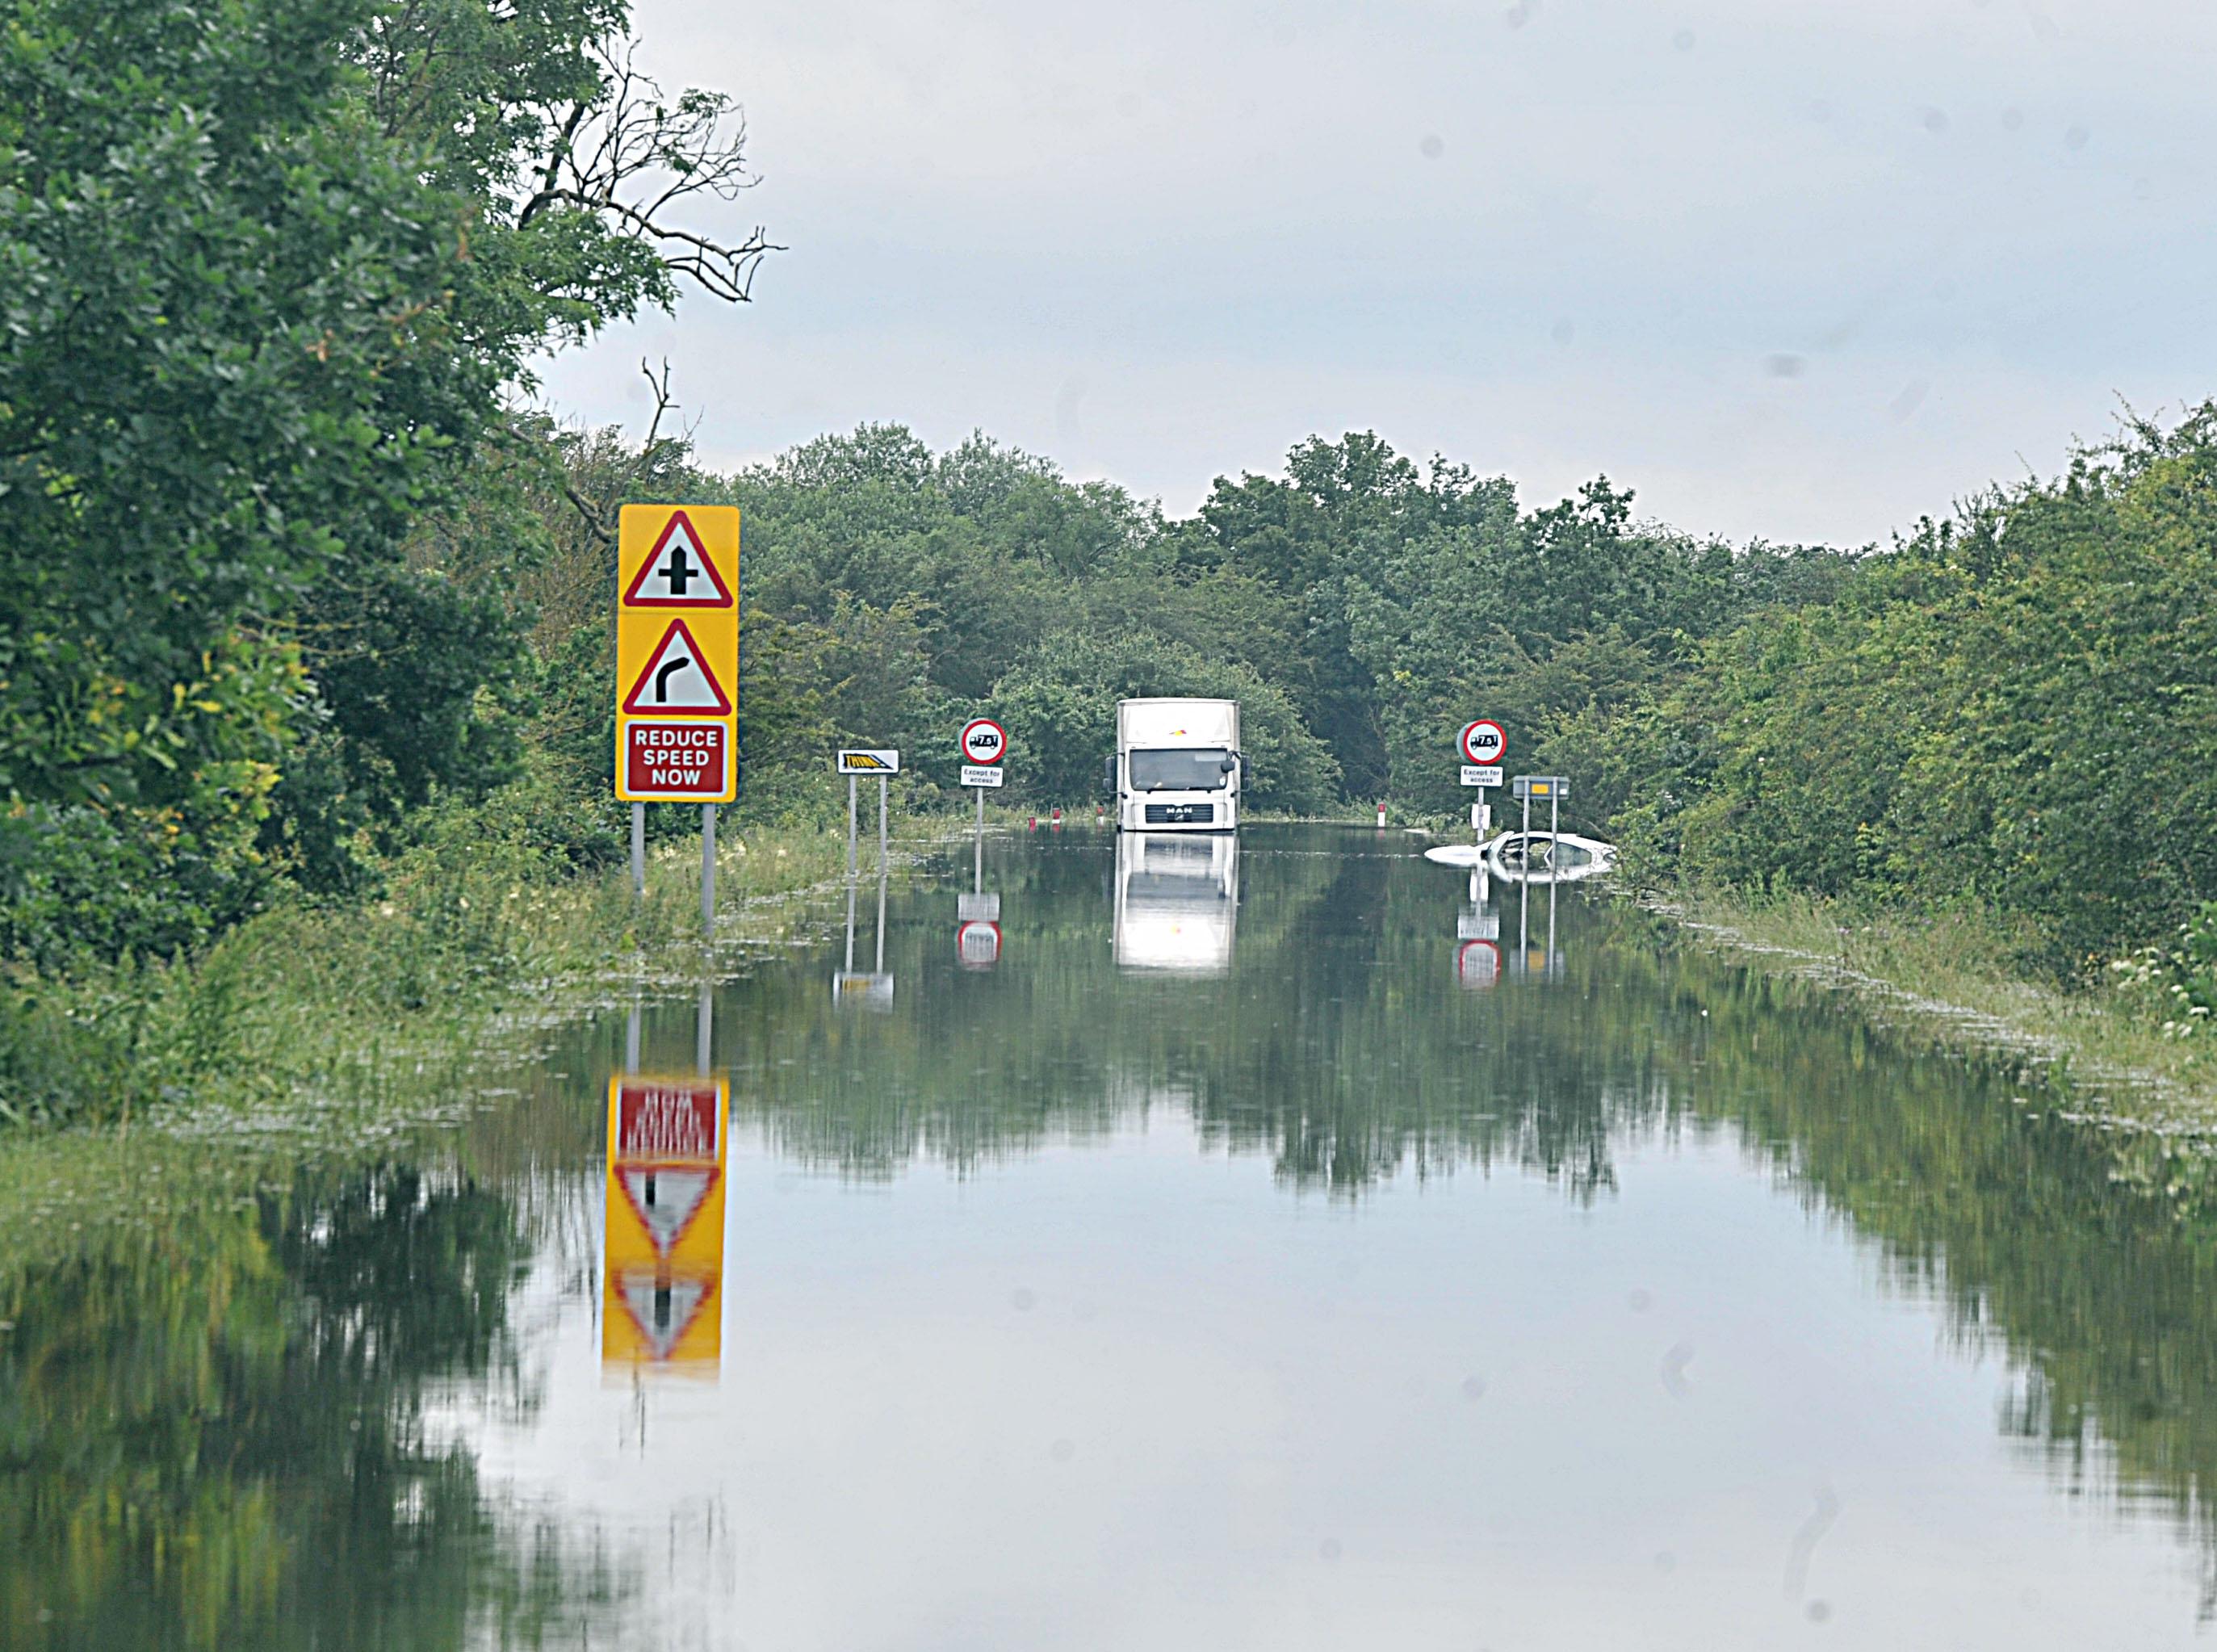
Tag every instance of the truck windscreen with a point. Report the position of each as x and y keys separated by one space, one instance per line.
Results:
x=1189 y=769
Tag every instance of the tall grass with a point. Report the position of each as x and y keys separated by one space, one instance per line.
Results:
x=1963 y=976
x=476 y=926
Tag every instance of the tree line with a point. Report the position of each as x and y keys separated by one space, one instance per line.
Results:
x=287 y=562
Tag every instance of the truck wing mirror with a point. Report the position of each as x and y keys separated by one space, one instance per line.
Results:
x=1227 y=763
x=1108 y=778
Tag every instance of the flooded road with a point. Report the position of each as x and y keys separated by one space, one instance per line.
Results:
x=1192 y=1246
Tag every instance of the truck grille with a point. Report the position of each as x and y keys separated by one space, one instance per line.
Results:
x=1181 y=815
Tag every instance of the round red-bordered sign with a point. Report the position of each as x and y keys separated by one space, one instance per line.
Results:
x=978 y=945
x=1484 y=743
x=1478 y=964
x=985 y=742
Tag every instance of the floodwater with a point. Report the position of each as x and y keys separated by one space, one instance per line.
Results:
x=1198 y=1247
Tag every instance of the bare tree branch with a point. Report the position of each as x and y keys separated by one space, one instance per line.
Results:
x=632 y=155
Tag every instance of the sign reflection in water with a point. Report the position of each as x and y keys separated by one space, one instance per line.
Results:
x=871 y=988
x=661 y=1307
x=1478 y=935
x=1177 y=901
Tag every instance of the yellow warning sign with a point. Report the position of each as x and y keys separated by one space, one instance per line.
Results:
x=661 y=1298
x=678 y=653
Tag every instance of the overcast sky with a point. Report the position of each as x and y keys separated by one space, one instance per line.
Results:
x=1803 y=269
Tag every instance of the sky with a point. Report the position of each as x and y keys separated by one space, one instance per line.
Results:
x=1791 y=270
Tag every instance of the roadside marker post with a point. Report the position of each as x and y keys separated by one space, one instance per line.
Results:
x=677 y=671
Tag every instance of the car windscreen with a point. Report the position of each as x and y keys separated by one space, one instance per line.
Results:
x=1189 y=769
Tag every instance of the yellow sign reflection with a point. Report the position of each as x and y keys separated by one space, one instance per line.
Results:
x=661 y=1301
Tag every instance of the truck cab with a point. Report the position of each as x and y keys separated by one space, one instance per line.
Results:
x=1177 y=766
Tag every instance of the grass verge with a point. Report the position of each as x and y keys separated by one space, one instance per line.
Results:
x=1959 y=977
x=168 y=1091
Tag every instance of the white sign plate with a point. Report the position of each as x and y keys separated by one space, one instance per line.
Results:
x=1477 y=926
x=869 y=761
x=977 y=774
x=1475 y=773
x=983 y=908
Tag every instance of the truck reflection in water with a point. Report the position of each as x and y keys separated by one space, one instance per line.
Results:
x=1178 y=902
x=662 y=1311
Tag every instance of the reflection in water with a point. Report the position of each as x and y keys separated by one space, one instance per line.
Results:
x=663 y=1237
x=1478 y=932
x=977 y=913
x=1332 y=1303
x=871 y=989
x=1177 y=901
x=222 y=1435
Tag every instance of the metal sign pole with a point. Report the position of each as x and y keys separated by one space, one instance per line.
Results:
x=1554 y=825
x=881 y=918
x=884 y=788
x=978 y=867
x=1524 y=920
x=703 y=1023
x=708 y=868
x=639 y=850
x=850 y=927
x=631 y=1033
x=850 y=826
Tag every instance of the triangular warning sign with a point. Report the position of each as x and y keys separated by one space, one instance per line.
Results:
x=662 y=1308
x=665 y=1200
x=677 y=572
x=677 y=681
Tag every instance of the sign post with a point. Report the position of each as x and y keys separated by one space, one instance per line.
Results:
x=1555 y=789
x=1483 y=744
x=678 y=670
x=855 y=763
x=984 y=747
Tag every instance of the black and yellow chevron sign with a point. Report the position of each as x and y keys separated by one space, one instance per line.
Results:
x=869 y=763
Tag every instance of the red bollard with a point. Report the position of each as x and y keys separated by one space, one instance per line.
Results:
x=1381 y=817
x=1058 y=819
x=1032 y=824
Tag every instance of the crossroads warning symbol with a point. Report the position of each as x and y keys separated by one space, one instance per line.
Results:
x=662 y=1308
x=678 y=573
x=677 y=681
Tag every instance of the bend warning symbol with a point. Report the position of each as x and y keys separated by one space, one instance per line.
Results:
x=664 y=1200
x=677 y=681
x=678 y=573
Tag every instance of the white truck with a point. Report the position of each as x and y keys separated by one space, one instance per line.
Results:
x=1177 y=766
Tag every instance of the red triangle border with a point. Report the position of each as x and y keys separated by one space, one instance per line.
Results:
x=721 y=709
x=722 y=596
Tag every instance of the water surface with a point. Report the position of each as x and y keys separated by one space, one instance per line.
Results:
x=1209 y=1248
